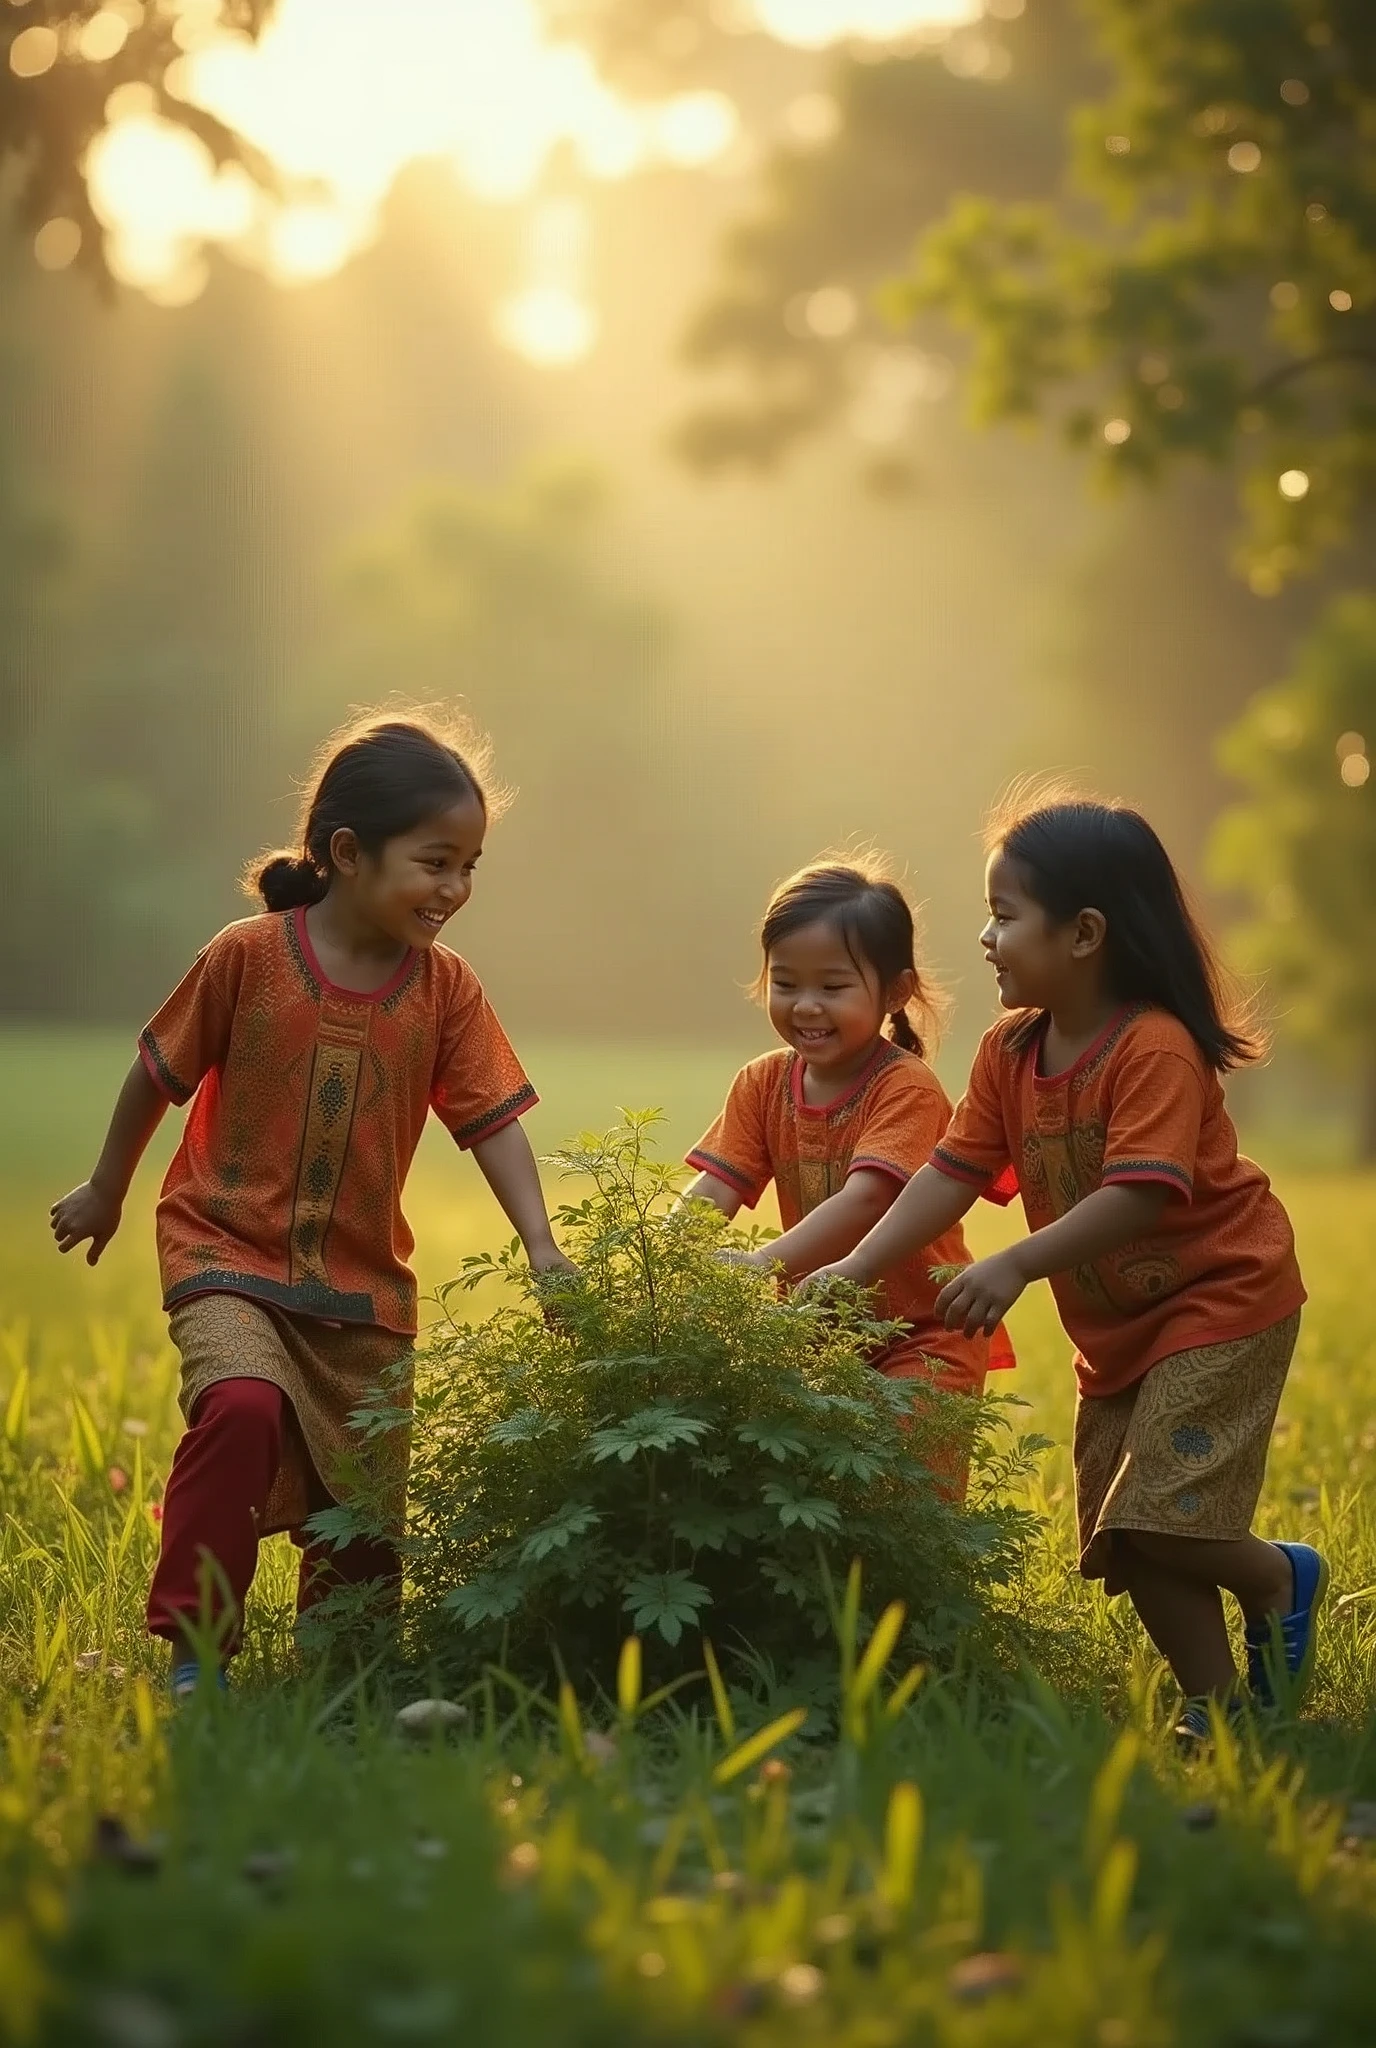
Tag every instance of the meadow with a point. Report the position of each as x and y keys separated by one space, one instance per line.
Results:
x=946 y=1861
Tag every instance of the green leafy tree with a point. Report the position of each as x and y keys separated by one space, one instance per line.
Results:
x=1301 y=848
x=1207 y=285
x=55 y=82
x=672 y=1450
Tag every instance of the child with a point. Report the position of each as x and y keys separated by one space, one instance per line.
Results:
x=842 y=1117
x=314 y=1040
x=1171 y=1262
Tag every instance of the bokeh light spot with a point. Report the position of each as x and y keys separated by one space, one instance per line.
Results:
x=831 y=312
x=1285 y=296
x=695 y=127
x=1293 y=484
x=57 y=243
x=1117 y=431
x=1340 y=301
x=1355 y=769
x=1244 y=157
x=33 y=51
x=103 y=36
x=548 y=326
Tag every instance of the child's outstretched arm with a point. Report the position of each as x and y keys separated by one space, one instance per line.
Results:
x=509 y=1168
x=706 y=1187
x=930 y=1204
x=831 y=1230
x=94 y=1209
x=1106 y=1219
x=981 y=1296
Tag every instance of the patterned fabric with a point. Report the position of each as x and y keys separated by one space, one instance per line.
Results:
x=1140 y=1105
x=1181 y=1452
x=324 y=1372
x=309 y=1104
x=886 y=1122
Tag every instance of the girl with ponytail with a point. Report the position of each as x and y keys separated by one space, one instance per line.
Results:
x=847 y=1110
x=311 y=1043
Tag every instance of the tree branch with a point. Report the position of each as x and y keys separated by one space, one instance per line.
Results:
x=1302 y=365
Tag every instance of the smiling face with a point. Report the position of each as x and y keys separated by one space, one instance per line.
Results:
x=412 y=887
x=824 y=1004
x=1037 y=962
x=1021 y=944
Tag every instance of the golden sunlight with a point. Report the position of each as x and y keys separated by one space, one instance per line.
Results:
x=340 y=96
x=817 y=23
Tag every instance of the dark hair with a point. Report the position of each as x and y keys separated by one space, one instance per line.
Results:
x=1076 y=854
x=379 y=778
x=875 y=923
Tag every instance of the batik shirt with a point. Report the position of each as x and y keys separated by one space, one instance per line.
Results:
x=1141 y=1104
x=886 y=1122
x=307 y=1104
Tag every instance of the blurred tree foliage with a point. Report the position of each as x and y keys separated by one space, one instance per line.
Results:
x=502 y=602
x=881 y=155
x=57 y=72
x=1207 y=284
x=1300 y=849
x=1186 y=266
x=145 y=737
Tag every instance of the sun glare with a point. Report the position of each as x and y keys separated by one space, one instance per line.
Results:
x=340 y=96
x=817 y=23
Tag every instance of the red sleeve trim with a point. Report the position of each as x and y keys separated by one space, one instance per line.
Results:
x=871 y=1165
x=720 y=1169
x=1161 y=1171
x=487 y=1126
x=998 y=1189
x=958 y=1169
x=161 y=1075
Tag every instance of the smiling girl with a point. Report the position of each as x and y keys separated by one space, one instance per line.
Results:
x=1171 y=1262
x=312 y=1042
x=845 y=1112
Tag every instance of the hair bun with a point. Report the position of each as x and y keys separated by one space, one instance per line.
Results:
x=289 y=880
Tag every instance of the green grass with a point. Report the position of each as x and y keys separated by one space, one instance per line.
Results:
x=315 y=1875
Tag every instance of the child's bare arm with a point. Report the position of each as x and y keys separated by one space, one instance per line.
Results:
x=94 y=1209
x=834 y=1228
x=508 y=1166
x=982 y=1295
x=705 y=1187
x=928 y=1206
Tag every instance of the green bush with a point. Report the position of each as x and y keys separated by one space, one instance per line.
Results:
x=671 y=1449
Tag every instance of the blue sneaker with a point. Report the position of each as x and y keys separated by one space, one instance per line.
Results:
x=1297 y=1631
x=1194 y=1731
x=185 y=1681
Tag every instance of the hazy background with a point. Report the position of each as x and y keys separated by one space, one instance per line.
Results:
x=225 y=522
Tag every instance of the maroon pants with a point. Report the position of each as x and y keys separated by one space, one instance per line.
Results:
x=212 y=1509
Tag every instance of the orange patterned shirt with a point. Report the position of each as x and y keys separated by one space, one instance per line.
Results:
x=886 y=1122
x=1140 y=1104
x=309 y=1102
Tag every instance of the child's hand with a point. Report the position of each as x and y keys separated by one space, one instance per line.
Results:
x=552 y=1273
x=981 y=1296
x=553 y=1265
x=757 y=1261
x=88 y=1211
x=815 y=1283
